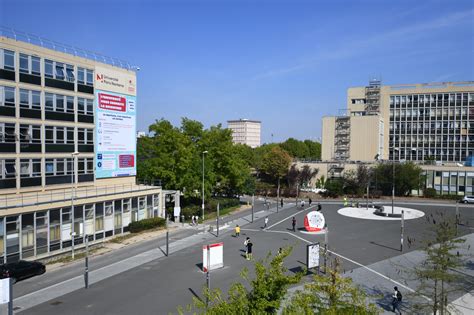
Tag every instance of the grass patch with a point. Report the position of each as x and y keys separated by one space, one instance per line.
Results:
x=66 y=259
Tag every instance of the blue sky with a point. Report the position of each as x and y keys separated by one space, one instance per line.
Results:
x=286 y=63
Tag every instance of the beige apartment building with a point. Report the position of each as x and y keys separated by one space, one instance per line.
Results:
x=67 y=149
x=411 y=122
x=245 y=131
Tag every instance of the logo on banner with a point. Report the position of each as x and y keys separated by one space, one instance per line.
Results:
x=314 y=221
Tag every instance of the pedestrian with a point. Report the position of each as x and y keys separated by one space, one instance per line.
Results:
x=193 y=220
x=396 y=300
x=319 y=206
x=237 y=230
x=281 y=202
x=302 y=203
x=247 y=240
x=310 y=201
x=266 y=222
x=293 y=223
x=249 y=250
x=345 y=201
x=280 y=251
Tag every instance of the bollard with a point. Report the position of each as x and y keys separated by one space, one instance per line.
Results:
x=167 y=242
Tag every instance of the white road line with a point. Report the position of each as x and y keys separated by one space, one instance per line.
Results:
x=292 y=215
x=352 y=261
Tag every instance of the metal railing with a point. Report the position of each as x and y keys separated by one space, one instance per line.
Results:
x=64 y=48
x=66 y=194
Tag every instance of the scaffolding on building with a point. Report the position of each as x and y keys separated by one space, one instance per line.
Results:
x=372 y=97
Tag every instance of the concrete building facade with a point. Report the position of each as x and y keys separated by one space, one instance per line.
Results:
x=60 y=183
x=245 y=131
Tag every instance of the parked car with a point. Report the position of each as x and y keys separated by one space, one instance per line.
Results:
x=468 y=199
x=21 y=270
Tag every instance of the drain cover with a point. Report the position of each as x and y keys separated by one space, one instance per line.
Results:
x=56 y=303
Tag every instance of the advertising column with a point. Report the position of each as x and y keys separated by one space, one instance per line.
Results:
x=115 y=111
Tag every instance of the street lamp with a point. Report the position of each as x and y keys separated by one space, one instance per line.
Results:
x=73 y=155
x=393 y=175
x=203 y=152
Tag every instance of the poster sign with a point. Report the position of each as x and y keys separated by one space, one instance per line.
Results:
x=177 y=211
x=5 y=291
x=314 y=221
x=115 y=130
x=216 y=259
x=312 y=255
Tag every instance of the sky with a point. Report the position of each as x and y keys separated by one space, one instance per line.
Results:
x=285 y=63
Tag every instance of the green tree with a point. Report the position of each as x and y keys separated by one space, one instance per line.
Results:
x=436 y=273
x=332 y=294
x=295 y=148
x=408 y=176
x=275 y=164
x=314 y=150
x=262 y=295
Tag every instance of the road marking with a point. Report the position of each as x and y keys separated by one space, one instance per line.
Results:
x=350 y=260
x=292 y=215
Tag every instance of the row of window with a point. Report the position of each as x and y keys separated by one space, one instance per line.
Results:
x=459 y=111
x=52 y=69
x=53 y=102
x=52 y=167
x=402 y=153
x=42 y=232
x=432 y=138
x=433 y=99
x=432 y=126
x=52 y=134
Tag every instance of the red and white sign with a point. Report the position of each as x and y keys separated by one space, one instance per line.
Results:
x=112 y=102
x=314 y=221
x=216 y=256
x=126 y=160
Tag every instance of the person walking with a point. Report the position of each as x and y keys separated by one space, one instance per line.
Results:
x=293 y=223
x=319 y=206
x=396 y=300
x=302 y=203
x=193 y=219
x=237 y=230
x=281 y=202
x=247 y=240
x=345 y=201
x=249 y=250
x=266 y=222
x=310 y=201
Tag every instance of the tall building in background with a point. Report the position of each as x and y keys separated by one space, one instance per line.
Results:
x=415 y=122
x=67 y=149
x=245 y=131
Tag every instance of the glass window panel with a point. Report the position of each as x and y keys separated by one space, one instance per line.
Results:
x=49 y=166
x=59 y=103
x=24 y=98
x=35 y=65
x=36 y=99
x=9 y=96
x=49 y=101
x=70 y=104
x=60 y=167
x=9 y=59
x=59 y=71
x=70 y=73
x=48 y=68
x=80 y=75
x=80 y=105
x=24 y=63
x=89 y=77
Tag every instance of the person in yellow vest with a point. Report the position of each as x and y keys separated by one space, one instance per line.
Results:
x=345 y=201
x=237 y=230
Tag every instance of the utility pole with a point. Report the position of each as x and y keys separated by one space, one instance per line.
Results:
x=218 y=219
x=402 y=228
x=86 y=270
x=326 y=246
x=253 y=203
x=393 y=183
x=278 y=192
x=457 y=216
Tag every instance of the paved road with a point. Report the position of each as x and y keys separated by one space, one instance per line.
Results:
x=160 y=284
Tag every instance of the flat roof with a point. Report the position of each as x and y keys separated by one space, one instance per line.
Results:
x=244 y=120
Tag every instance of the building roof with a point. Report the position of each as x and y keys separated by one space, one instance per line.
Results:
x=244 y=120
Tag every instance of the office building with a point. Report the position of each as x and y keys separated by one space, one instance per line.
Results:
x=245 y=131
x=424 y=123
x=67 y=149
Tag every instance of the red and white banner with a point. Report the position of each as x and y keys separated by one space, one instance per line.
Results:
x=112 y=102
x=216 y=256
x=314 y=221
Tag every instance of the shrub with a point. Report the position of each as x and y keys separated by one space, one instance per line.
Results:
x=146 y=224
x=429 y=193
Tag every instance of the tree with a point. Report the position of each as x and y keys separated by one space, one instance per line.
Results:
x=264 y=296
x=435 y=273
x=330 y=294
x=307 y=174
x=407 y=177
x=275 y=164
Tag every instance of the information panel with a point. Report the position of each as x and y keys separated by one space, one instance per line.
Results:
x=312 y=255
x=115 y=130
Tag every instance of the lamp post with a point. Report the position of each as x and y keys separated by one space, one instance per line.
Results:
x=393 y=175
x=73 y=155
x=203 y=152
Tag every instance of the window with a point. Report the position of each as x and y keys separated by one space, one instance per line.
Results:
x=59 y=135
x=85 y=106
x=49 y=102
x=85 y=166
x=30 y=99
x=85 y=136
x=49 y=167
x=48 y=68
x=7 y=96
x=7 y=59
x=7 y=133
x=85 y=76
x=30 y=64
x=8 y=168
x=59 y=103
x=30 y=168
x=59 y=71
x=70 y=73
x=30 y=134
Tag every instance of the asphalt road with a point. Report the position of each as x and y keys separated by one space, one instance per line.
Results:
x=159 y=286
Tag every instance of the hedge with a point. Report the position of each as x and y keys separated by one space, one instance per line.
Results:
x=146 y=224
